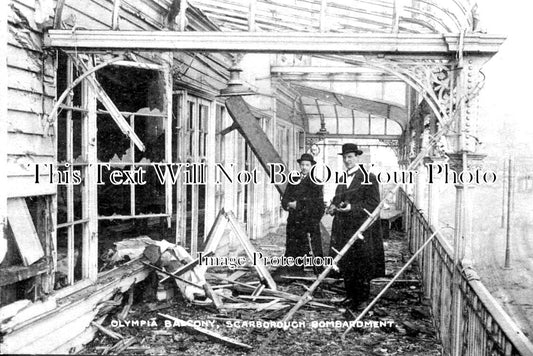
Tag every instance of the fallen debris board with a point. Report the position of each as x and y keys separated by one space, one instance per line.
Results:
x=188 y=267
x=12 y=309
x=311 y=279
x=255 y=306
x=211 y=334
x=250 y=128
x=24 y=231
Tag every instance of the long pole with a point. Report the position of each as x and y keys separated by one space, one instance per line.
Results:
x=378 y=297
x=509 y=203
x=503 y=195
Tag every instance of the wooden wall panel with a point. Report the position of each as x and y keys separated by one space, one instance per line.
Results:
x=31 y=92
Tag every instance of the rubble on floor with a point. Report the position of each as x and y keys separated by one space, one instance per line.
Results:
x=246 y=312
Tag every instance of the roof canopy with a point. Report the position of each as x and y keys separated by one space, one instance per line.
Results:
x=377 y=16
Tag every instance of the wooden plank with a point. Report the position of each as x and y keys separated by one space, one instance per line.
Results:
x=251 y=15
x=28 y=313
x=250 y=128
x=27 y=101
x=24 y=122
x=45 y=326
x=10 y=310
x=22 y=144
x=24 y=80
x=24 y=231
x=116 y=15
x=24 y=186
x=294 y=42
x=14 y=274
x=22 y=59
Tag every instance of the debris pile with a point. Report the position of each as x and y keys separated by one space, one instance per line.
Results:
x=197 y=310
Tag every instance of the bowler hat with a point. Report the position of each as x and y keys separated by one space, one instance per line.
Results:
x=307 y=157
x=351 y=147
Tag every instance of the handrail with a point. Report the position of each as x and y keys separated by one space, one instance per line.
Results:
x=485 y=328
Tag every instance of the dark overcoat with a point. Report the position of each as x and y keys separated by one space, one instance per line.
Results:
x=305 y=218
x=365 y=260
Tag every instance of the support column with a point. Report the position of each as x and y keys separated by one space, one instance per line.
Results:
x=468 y=81
x=434 y=194
x=420 y=187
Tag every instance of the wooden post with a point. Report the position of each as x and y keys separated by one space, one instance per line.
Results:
x=70 y=187
x=182 y=16
x=503 y=195
x=420 y=187
x=251 y=15
x=509 y=208
x=396 y=16
x=116 y=12
x=323 y=8
x=90 y=210
x=168 y=59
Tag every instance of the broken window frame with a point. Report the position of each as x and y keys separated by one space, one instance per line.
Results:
x=132 y=164
x=74 y=164
x=193 y=137
x=89 y=144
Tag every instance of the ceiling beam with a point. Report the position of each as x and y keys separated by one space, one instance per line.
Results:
x=290 y=42
x=355 y=136
x=329 y=73
x=391 y=111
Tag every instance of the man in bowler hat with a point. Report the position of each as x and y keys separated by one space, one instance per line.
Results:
x=365 y=260
x=305 y=203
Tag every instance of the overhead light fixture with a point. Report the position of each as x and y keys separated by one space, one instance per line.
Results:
x=236 y=86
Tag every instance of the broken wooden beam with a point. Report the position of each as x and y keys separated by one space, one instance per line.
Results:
x=210 y=334
x=250 y=128
x=14 y=274
x=171 y=275
x=68 y=325
x=106 y=331
x=255 y=306
x=189 y=266
x=114 y=112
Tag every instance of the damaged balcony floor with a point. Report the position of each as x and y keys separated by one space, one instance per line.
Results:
x=411 y=332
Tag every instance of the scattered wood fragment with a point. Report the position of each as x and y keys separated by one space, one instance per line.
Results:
x=120 y=346
x=236 y=275
x=10 y=310
x=210 y=293
x=124 y=313
x=211 y=334
x=254 y=306
x=29 y=312
x=189 y=266
x=171 y=275
x=106 y=331
x=310 y=279
x=269 y=305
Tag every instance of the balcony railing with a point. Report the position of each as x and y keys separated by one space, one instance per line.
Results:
x=484 y=327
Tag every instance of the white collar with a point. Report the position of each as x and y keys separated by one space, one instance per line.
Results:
x=352 y=170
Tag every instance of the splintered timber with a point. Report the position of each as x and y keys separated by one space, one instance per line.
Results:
x=199 y=173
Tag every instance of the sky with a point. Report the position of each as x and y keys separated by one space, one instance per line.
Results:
x=505 y=102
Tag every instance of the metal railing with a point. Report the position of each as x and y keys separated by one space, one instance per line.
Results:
x=485 y=328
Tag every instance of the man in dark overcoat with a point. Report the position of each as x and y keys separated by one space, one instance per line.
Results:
x=365 y=260
x=305 y=203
